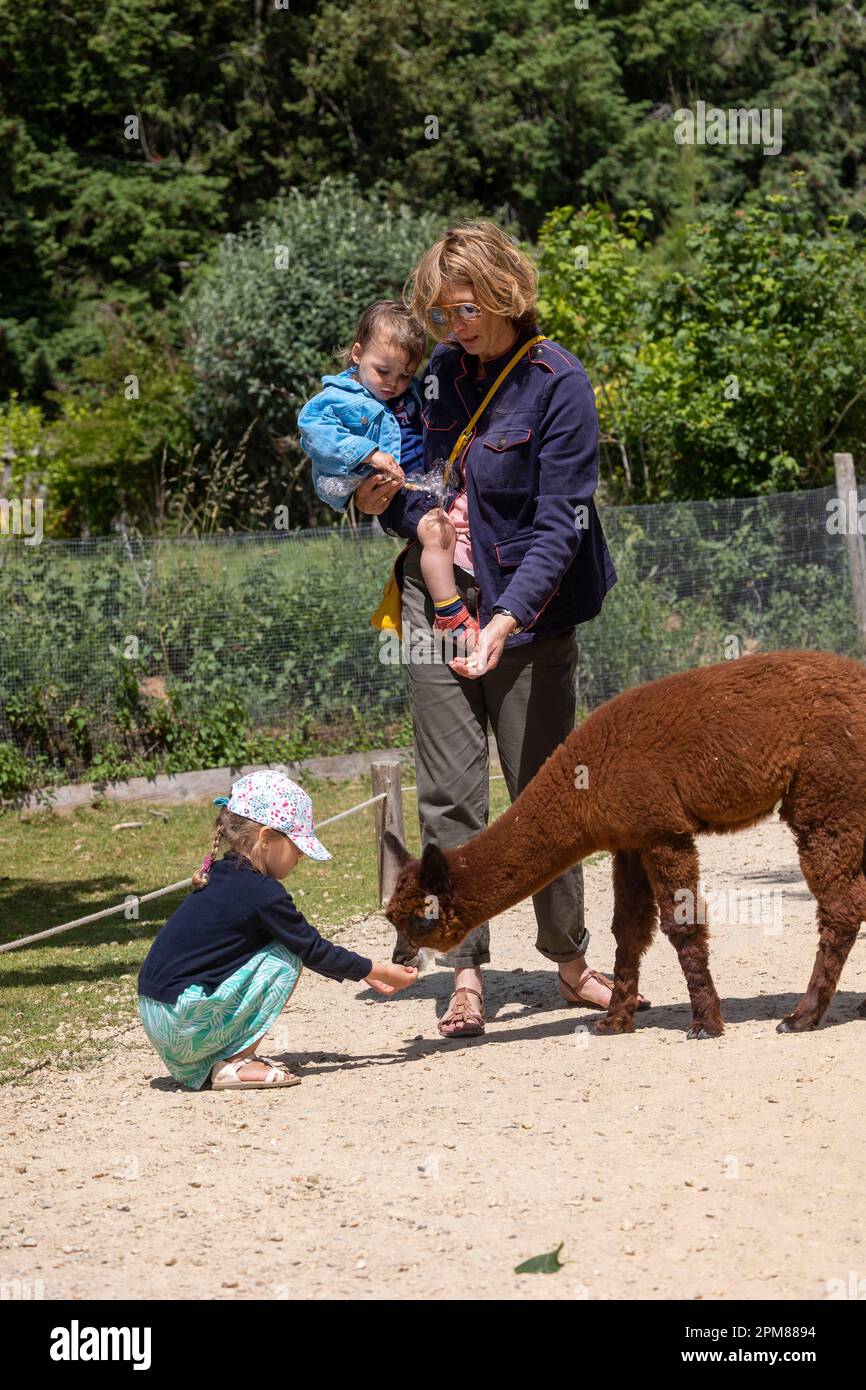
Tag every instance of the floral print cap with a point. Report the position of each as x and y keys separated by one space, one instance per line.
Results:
x=274 y=800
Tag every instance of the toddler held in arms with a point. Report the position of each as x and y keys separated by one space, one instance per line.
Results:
x=367 y=420
x=222 y=969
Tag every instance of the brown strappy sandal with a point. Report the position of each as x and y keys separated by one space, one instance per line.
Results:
x=571 y=997
x=469 y=1020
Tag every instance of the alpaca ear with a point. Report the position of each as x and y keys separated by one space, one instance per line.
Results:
x=435 y=874
x=400 y=852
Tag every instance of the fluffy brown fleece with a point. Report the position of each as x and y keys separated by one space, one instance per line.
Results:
x=707 y=751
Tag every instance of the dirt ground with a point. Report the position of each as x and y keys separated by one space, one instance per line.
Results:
x=406 y=1166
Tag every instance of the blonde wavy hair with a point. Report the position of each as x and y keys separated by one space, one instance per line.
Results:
x=474 y=250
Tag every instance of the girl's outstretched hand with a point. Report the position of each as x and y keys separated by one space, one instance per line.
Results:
x=388 y=978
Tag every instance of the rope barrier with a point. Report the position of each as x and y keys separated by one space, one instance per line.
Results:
x=149 y=897
x=182 y=883
x=380 y=796
x=96 y=916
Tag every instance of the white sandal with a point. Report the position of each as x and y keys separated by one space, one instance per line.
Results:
x=278 y=1075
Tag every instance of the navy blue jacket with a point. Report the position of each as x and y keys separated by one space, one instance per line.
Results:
x=219 y=928
x=530 y=470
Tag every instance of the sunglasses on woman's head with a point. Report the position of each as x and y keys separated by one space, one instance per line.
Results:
x=442 y=314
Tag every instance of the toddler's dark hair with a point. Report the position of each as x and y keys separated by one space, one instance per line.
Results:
x=395 y=322
x=241 y=835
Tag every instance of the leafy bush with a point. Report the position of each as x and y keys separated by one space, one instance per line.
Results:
x=17 y=773
x=117 y=447
x=147 y=656
x=737 y=374
x=263 y=332
x=702 y=581
x=22 y=440
x=136 y=657
x=114 y=434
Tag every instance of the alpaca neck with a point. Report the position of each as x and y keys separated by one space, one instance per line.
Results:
x=544 y=832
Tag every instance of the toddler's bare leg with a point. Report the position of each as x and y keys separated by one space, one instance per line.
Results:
x=437 y=569
x=437 y=561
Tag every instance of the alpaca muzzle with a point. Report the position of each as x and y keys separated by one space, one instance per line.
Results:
x=423 y=930
x=438 y=933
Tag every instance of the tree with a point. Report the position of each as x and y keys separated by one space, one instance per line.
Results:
x=276 y=301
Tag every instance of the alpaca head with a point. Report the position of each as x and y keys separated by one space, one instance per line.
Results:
x=422 y=906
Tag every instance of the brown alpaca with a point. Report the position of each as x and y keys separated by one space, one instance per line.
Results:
x=706 y=751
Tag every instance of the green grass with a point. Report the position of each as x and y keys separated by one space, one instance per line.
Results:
x=61 y=1001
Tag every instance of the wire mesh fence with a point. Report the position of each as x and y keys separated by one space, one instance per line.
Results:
x=282 y=620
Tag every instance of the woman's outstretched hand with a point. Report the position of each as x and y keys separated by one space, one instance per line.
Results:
x=488 y=649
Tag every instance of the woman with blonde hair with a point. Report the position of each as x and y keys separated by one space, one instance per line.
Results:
x=531 y=562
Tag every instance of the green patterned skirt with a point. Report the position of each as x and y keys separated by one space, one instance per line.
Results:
x=200 y=1029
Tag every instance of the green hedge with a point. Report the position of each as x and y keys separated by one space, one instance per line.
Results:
x=149 y=656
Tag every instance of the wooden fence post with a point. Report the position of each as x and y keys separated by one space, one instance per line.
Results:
x=389 y=816
x=846 y=487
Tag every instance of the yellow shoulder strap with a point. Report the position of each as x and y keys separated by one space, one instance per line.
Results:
x=467 y=430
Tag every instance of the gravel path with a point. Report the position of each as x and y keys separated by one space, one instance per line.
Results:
x=407 y=1166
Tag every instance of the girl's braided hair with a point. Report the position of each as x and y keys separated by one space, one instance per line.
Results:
x=242 y=835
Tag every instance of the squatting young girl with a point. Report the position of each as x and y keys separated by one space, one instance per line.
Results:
x=223 y=967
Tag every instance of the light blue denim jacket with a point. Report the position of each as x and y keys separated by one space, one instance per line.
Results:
x=340 y=427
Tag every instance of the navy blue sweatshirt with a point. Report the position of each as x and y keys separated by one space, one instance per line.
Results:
x=219 y=928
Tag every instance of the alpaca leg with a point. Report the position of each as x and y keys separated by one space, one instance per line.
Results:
x=861 y=1008
x=834 y=944
x=674 y=871
x=634 y=923
x=832 y=863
